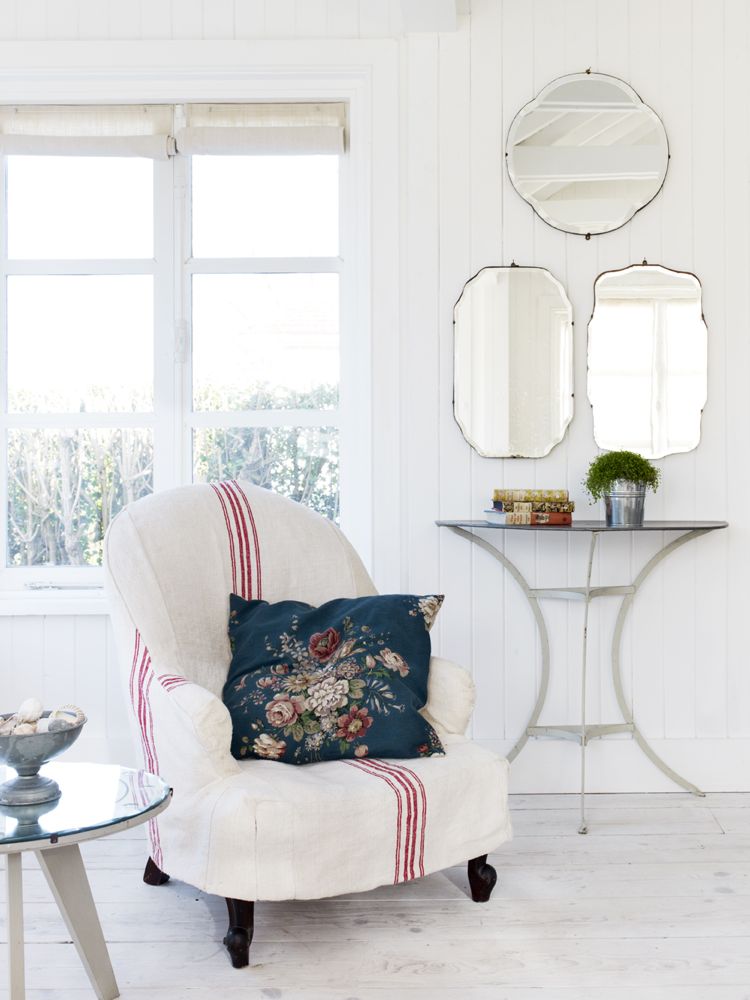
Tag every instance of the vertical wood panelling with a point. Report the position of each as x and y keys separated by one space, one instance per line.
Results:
x=736 y=294
x=342 y=20
x=486 y=201
x=93 y=21
x=280 y=19
x=517 y=234
x=310 y=18
x=187 y=18
x=218 y=19
x=454 y=209
x=419 y=309
x=156 y=18
x=716 y=230
x=250 y=18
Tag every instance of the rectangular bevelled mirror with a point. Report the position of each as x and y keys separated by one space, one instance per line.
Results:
x=513 y=374
x=647 y=360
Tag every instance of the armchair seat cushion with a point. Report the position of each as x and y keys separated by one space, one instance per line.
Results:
x=284 y=832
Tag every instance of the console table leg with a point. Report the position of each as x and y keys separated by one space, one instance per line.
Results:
x=583 y=828
x=66 y=876
x=540 y=624
x=14 y=882
x=627 y=712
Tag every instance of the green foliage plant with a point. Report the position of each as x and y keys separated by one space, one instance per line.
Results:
x=613 y=465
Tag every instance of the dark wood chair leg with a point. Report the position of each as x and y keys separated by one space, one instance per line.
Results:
x=482 y=879
x=153 y=875
x=240 y=933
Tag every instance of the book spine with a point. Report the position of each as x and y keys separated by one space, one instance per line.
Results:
x=530 y=495
x=530 y=518
x=539 y=507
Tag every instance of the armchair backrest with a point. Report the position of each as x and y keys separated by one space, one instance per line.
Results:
x=172 y=559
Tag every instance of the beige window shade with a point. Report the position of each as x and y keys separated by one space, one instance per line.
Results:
x=263 y=129
x=133 y=130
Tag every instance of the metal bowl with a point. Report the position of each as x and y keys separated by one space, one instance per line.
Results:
x=26 y=754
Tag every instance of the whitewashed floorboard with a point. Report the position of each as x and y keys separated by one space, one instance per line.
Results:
x=654 y=903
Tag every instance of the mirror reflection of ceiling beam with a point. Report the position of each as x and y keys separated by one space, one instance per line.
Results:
x=589 y=163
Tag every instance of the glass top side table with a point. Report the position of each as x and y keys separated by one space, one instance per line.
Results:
x=97 y=800
x=583 y=732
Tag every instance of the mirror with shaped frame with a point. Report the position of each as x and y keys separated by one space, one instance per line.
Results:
x=587 y=153
x=513 y=373
x=647 y=360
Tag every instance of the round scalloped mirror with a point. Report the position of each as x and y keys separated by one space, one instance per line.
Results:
x=587 y=153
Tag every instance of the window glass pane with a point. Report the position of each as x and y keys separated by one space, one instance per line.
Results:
x=80 y=343
x=64 y=488
x=80 y=207
x=265 y=341
x=300 y=462
x=265 y=206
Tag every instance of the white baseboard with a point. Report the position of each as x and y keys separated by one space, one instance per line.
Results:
x=618 y=765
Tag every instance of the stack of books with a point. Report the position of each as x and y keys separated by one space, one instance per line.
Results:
x=532 y=507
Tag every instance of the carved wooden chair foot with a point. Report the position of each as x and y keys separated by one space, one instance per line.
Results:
x=154 y=875
x=240 y=934
x=482 y=879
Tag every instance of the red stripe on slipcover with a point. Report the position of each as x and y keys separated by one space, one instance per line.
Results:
x=412 y=811
x=242 y=540
x=363 y=766
x=244 y=543
x=256 y=541
x=141 y=678
x=423 y=796
x=171 y=681
x=217 y=491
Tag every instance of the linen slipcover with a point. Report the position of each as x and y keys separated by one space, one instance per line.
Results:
x=261 y=830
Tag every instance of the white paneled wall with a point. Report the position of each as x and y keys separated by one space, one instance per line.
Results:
x=685 y=645
x=205 y=19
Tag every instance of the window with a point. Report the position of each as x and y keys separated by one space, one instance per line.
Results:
x=169 y=316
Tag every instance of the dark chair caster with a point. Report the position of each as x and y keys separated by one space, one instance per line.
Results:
x=153 y=875
x=482 y=879
x=240 y=934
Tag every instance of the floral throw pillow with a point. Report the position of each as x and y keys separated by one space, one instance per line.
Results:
x=346 y=679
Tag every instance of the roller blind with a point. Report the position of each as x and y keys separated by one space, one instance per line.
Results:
x=263 y=129
x=132 y=130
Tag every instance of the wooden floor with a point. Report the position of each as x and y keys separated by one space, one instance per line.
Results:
x=654 y=904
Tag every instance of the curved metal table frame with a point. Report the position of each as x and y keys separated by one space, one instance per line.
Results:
x=583 y=733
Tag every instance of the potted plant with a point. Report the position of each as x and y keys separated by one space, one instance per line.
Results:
x=622 y=478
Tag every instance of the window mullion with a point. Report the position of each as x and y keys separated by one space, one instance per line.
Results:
x=166 y=473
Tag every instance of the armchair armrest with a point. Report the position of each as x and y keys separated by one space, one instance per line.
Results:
x=193 y=733
x=450 y=697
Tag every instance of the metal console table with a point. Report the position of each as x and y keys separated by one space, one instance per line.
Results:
x=584 y=732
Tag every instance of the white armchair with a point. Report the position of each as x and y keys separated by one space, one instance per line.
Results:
x=257 y=829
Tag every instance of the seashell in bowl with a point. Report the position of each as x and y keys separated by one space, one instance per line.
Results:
x=7 y=725
x=70 y=714
x=30 y=710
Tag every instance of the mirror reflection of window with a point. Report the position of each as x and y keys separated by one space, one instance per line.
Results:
x=647 y=361
x=513 y=362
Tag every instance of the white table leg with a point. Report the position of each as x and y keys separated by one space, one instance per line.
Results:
x=15 y=927
x=64 y=871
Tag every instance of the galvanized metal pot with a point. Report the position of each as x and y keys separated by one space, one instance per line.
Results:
x=623 y=504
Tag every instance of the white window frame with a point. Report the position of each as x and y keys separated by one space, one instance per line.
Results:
x=365 y=76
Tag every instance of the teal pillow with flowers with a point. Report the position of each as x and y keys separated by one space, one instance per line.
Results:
x=346 y=679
